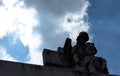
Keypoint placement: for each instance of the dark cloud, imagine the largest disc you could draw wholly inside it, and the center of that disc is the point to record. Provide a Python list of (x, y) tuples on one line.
[(56, 7)]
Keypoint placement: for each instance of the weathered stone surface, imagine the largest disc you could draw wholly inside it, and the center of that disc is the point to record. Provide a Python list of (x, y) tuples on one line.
[(19, 69)]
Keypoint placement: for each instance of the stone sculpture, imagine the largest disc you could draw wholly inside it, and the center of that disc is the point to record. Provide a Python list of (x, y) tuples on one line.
[(81, 57)]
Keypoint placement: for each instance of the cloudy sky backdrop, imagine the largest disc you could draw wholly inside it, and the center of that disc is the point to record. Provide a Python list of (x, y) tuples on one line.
[(29, 26)]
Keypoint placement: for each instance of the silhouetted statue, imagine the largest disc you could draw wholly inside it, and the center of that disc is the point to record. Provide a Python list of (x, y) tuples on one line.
[(84, 56), (81, 57), (79, 51), (90, 52)]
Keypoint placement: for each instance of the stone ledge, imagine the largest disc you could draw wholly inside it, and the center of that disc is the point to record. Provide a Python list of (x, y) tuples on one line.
[(8, 68)]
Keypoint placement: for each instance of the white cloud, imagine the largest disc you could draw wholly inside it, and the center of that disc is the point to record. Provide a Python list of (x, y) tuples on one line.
[(16, 18), (74, 23), (4, 55)]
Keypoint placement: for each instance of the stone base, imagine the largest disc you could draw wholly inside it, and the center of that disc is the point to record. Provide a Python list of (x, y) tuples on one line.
[(8, 68)]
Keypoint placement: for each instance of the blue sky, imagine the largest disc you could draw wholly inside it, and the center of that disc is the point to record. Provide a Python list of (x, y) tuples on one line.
[(104, 16), (29, 26)]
